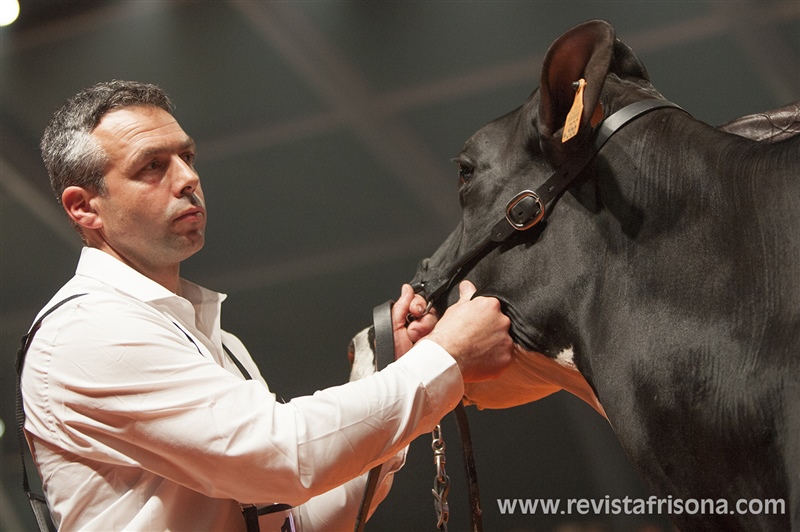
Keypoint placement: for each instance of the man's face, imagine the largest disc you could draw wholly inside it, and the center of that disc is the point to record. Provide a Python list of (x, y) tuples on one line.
[(153, 212)]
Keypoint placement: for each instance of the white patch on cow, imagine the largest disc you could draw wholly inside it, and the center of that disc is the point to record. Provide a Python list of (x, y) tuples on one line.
[(566, 358), (363, 356)]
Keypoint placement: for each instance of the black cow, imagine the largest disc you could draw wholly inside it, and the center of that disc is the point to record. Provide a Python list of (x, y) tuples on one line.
[(662, 287)]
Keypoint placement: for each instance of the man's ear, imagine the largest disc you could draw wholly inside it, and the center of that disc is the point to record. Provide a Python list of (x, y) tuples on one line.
[(77, 201)]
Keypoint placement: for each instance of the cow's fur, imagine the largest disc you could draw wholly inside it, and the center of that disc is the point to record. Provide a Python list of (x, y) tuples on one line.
[(361, 353), (667, 275)]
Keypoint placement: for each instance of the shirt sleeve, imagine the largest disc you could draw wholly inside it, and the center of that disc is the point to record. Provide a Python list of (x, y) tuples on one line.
[(142, 396), (338, 509)]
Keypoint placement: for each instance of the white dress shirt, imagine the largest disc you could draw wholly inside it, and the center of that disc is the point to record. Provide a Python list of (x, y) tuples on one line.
[(138, 419)]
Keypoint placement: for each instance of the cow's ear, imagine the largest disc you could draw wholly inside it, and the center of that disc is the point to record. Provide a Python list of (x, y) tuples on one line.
[(625, 63), (584, 52)]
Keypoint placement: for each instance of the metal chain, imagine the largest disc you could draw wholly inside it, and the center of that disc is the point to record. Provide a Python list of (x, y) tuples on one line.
[(441, 483)]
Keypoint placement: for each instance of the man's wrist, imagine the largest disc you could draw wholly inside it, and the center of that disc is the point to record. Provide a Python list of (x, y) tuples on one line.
[(437, 370)]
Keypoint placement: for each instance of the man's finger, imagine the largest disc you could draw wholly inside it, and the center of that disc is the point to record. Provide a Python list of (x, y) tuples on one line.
[(400, 309), (466, 290)]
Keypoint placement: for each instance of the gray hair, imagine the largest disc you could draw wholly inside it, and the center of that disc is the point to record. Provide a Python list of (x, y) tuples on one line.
[(70, 154)]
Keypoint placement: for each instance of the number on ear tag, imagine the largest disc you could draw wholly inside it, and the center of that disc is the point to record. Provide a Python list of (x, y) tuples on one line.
[(574, 117)]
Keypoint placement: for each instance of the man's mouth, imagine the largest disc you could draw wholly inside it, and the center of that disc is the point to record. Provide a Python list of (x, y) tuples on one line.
[(193, 213)]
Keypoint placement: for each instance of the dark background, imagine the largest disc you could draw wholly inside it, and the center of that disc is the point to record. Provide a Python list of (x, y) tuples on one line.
[(325, 130)]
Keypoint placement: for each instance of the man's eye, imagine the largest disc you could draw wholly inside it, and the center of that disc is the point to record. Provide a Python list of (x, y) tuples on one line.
[(189, 158), (465, 173)]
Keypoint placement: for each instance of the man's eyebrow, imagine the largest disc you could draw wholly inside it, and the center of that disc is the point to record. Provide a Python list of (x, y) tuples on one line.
[(188, 144), (146, 154)]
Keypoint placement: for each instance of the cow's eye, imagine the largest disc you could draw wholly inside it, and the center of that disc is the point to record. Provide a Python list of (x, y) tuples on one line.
[(465, 172)]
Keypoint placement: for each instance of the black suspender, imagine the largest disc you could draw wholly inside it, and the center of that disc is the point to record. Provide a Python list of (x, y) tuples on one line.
[(38, 503), (249, 511), (239, 365)]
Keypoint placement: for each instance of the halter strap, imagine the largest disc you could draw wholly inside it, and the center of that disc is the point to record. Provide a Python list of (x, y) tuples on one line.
[(528, 207)]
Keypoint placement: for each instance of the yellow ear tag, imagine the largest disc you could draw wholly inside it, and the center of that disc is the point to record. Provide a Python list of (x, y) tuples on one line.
[(574, 117)]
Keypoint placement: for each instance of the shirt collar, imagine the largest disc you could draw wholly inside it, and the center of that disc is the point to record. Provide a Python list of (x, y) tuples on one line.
[(101, 266)]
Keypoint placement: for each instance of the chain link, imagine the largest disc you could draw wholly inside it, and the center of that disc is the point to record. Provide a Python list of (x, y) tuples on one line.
[(441, 483)]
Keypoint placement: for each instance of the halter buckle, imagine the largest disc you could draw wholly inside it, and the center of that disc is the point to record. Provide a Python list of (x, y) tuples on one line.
[(526, 223)]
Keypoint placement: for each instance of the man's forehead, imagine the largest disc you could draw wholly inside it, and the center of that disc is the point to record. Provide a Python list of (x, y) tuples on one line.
[(141, 128), (130, 112)]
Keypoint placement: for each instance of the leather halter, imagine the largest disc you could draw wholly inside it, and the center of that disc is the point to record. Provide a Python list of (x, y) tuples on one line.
[(526, 209)]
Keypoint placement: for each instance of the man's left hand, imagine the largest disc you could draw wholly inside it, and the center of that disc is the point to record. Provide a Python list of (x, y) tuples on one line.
[(410, 306)]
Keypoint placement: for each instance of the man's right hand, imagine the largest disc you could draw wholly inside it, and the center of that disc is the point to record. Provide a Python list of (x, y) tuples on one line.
[(475, 333)]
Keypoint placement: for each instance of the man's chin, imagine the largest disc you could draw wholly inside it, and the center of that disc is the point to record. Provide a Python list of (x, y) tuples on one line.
[(194, 243)]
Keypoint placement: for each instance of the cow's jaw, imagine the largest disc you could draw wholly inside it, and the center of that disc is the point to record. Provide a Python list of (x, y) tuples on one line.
[(531, 377)]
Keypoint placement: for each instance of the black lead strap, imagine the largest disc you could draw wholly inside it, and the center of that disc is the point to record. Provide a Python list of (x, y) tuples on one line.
[(384, 355)]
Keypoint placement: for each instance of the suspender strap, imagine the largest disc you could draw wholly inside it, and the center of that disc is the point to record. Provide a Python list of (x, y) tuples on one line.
[(250, 517), (249, 511), (239, 365), (37, 502), (251, 514)]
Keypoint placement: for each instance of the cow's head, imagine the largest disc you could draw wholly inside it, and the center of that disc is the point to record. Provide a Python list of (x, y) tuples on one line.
[(544, 286)]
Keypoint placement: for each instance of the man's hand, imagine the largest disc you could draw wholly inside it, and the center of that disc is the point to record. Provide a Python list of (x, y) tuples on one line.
[(407, 334), (475, 333)]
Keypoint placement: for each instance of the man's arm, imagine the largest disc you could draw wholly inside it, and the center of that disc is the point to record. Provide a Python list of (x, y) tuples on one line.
[(144, 397)]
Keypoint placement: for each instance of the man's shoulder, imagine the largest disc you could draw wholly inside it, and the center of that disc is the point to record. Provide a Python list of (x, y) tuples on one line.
[(82, 291), (91, 303)]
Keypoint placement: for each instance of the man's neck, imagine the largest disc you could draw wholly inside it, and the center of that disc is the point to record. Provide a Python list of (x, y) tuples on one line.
[(167, 275)]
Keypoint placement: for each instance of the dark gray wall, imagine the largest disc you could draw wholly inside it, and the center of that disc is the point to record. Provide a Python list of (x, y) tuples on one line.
[(325, 131)]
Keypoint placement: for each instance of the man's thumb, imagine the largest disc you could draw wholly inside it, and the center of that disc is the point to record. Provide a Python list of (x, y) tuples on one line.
[(466, 290)]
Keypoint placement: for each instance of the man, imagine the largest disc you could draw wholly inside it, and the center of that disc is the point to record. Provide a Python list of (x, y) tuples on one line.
[(139, 412)]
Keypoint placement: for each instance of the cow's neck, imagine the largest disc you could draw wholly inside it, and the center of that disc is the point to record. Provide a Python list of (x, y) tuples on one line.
[(668, 272), (664, 169), (673, 168)]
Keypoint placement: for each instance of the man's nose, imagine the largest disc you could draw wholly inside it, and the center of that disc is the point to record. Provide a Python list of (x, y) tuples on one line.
[(186, 179)]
